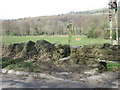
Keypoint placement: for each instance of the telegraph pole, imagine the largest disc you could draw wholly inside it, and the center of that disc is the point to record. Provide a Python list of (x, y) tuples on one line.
[(117, 34), (110, 21), (113, 10)]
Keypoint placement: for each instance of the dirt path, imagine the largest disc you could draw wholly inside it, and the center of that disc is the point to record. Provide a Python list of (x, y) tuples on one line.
[(12, 81), (104, 80)]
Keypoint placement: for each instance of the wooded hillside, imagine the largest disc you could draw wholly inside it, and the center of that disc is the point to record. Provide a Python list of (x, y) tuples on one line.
[(84, 23)]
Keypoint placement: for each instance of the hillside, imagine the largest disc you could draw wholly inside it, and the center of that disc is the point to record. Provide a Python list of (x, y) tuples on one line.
[(96, 20)]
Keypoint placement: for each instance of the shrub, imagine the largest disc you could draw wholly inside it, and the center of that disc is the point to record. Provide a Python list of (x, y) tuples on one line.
[(92, 34), (114, 36), (106, 35)]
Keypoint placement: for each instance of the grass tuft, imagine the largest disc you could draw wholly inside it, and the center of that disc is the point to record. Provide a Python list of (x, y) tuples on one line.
[(113, 66)]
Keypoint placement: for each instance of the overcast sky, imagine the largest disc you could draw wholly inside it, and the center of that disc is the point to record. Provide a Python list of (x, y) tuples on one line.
[(12, 9)]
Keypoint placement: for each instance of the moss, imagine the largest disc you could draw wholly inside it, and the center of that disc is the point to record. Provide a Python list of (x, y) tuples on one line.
[(20, 65), (6, 62), (61, 51)]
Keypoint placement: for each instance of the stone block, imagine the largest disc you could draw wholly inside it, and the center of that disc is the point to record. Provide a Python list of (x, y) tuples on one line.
[(89, 46), (19, 73), (11, 72), (91, 56), (4, 71)]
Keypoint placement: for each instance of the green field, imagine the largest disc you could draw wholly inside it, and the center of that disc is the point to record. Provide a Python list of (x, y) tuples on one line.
[(54, 39)]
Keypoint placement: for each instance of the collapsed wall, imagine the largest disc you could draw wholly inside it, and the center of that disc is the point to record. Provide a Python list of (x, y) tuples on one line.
[(90, 54), (43, 50), (36, 50)]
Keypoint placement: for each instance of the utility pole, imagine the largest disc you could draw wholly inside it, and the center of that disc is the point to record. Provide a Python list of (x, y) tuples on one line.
[(113, 10), (117, 34), (110, 21)]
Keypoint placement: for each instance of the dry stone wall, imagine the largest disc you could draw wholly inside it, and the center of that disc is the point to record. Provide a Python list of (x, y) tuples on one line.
[(90, 54)]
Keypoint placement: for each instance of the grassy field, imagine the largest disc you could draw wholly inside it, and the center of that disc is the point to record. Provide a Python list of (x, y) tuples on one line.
[(54, 39)]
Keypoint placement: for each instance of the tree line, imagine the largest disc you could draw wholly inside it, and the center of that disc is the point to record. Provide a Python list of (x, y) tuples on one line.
[(84, 24)]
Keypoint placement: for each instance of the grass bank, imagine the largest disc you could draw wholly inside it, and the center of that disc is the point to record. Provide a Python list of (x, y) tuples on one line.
[(20, 65), (33, 66), (113, 66)]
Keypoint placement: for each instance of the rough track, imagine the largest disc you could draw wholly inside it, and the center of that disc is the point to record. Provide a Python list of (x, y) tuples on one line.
[(105, 80)]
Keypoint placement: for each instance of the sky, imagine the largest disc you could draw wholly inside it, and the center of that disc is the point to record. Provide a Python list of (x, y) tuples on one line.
[(13, 9)]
